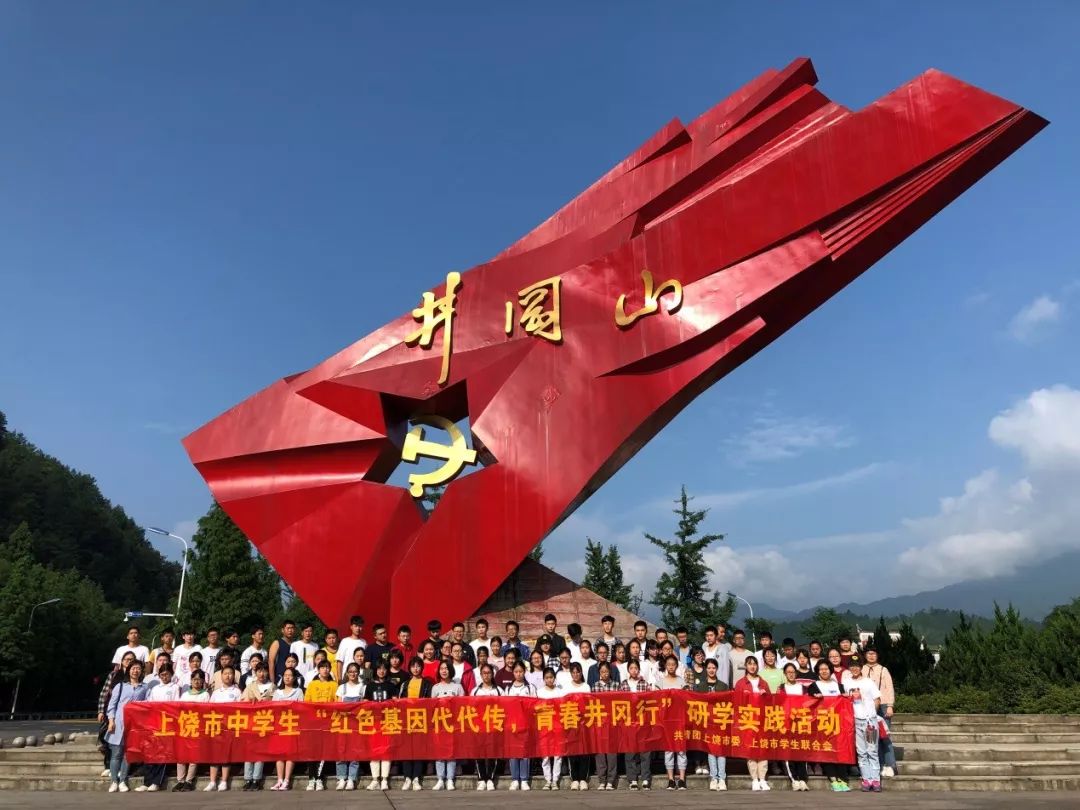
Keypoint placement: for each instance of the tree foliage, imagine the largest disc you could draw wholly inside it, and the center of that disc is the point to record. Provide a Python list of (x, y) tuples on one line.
[(62, 657), (827, 626), (75, 528), (604, 576), (1010, 667), (61, 539), (682, 591), (228, 584)]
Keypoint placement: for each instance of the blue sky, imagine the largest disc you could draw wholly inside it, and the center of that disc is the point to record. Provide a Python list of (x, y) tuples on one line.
[(202, 198)]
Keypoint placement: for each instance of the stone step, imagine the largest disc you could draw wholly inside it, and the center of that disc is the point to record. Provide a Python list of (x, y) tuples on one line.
[(54, 754), (901, 738), (1039, 719), (1062, 781), (988, 769), (984, 728), (973, 752), (51, 768)]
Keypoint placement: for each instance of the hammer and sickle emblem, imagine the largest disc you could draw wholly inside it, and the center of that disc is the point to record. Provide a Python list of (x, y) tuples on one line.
[(457, 454)]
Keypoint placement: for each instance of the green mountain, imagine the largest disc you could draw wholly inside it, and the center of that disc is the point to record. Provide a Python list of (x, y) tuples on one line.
[(60, 537)]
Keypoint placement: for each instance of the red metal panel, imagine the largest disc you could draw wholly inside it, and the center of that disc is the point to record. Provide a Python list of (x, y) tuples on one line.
[(762, 208)]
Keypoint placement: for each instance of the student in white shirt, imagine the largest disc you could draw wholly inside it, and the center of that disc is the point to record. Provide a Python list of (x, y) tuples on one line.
[(347, 647), (787, 653), (164, 689), (133, 646), (210, 653), (196, 693), (258, 635), (481, 639), (796, 770), (564, 677), (552, 766), (182, 656), (288, 691), (865, 698), (485, 768), (305, 650), (674, 761), (579, 764), (827, 685)]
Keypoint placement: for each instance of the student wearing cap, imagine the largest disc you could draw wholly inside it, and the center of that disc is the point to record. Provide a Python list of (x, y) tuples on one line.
[(558, 643)]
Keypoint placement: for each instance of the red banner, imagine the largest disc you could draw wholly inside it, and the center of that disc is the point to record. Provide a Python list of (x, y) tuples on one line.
[(728, 724)]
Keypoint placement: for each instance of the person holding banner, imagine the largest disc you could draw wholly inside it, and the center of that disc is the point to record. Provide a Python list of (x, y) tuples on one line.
[(639, 763), (185, 772), (607, 762), (322, 690), (552, 766), (753, 683), (796, 770), (579, 763), (710, 684), (485, 768), (415, 686), (378, 690), (129, 689), (520, 766), (828, 685), (673, 678), (352, 691), (288, 691), (866, 699), (165, 688), (446, 769)]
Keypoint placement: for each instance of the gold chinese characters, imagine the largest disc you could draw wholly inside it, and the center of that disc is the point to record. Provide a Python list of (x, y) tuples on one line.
[(652, 300), (535, 319), (435, 312)]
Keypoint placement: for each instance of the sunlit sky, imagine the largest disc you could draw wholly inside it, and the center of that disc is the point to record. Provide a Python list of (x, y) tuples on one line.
[(202, 197)]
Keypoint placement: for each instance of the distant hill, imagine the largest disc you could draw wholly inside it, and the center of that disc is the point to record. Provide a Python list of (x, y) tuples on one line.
[(1034, 591), (76, 528)]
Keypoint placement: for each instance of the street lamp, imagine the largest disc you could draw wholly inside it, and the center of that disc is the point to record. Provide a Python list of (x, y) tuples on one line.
[(183, 565), (29, 624), (753, 635)]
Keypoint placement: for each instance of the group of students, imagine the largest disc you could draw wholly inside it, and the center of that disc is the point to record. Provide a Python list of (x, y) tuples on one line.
[(295, 668)]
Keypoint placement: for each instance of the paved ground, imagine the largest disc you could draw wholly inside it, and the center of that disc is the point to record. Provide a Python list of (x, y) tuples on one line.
[(428, 800)]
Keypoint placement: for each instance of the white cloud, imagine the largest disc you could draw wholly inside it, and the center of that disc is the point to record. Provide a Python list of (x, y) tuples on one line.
[(1045, 428), (773, 438), (995, 524), (1031, 322), (998, 525), (734, 498)]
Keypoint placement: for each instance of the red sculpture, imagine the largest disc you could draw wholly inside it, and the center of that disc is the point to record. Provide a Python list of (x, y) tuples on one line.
[(575, 345)]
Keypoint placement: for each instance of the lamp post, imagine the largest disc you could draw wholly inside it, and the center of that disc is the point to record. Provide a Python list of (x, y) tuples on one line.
[(183, 565), (29, 624), (753, 635)]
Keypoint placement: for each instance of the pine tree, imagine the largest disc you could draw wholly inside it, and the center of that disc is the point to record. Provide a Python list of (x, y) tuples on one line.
[(595, 574), (604, 576), (682, 592), (538, 552), (228, 584), (883, 643)]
